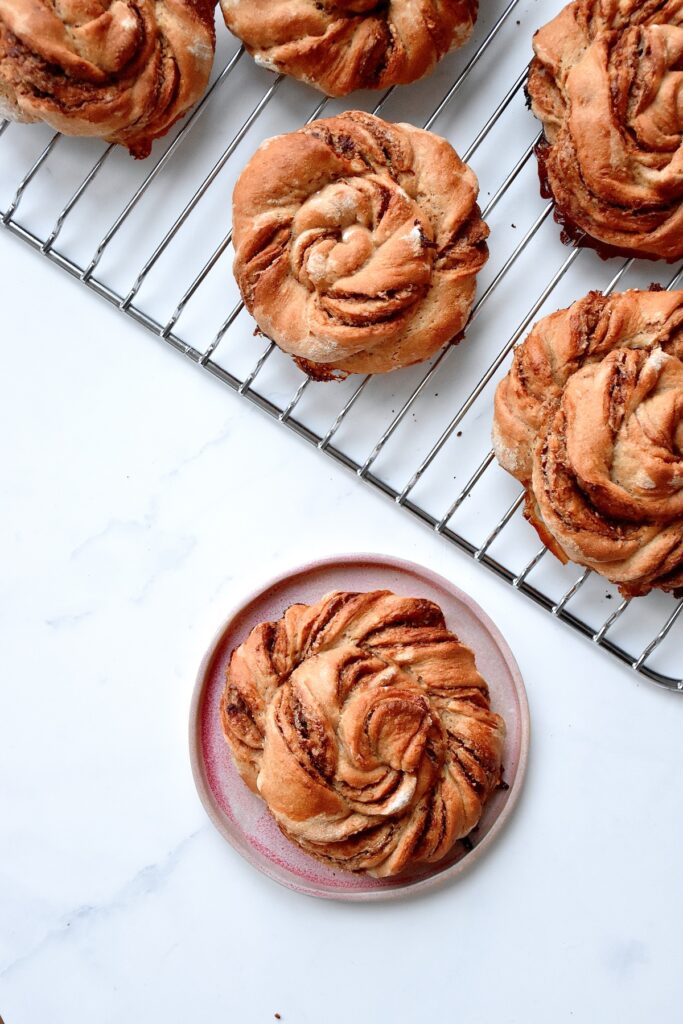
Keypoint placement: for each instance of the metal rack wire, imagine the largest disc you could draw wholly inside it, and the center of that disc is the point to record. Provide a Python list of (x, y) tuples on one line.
[(415, 439)]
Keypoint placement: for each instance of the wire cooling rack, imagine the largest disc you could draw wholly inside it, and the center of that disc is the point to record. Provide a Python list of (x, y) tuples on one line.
[(153, 238)]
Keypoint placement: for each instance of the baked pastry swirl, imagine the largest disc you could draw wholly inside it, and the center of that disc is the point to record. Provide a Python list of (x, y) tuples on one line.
[(606, 83), (342, 45), (121, 70), (357, 243), (365, 726), (590, 419)]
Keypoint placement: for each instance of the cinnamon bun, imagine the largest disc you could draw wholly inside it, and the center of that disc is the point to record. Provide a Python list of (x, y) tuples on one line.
[(364, 724), (357, 243), (590, 419)]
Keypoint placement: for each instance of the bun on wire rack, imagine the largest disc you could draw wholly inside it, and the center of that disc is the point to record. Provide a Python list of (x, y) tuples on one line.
[(357, 243), (120, 70), (590, 420), (606, 84), (339, 46)]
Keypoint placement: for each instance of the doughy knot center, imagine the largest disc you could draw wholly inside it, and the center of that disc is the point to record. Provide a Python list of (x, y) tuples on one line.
[(633, 405), (387, 724), (362, 245), (362, 725)]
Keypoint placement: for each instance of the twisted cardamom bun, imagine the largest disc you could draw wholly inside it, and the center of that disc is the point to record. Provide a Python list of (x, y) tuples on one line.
[(365, 726), (606, 83), (590, 419), (341, 45), (357, 243), (122, 70)]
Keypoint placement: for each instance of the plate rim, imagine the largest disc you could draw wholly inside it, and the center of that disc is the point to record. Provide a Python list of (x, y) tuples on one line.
[(204, 791)]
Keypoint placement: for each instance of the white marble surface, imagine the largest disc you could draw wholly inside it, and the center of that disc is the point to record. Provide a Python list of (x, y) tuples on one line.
[(139, 501)]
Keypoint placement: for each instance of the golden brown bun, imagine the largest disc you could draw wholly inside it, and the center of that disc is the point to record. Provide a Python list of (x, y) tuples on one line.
[(357, 243), (365, 726), (122, 71), (351, 44), (606, 84), (590, 419)]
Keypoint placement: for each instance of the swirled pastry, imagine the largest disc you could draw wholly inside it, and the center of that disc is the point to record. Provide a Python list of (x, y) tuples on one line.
[(590, 419), (357, 243), (342, 45), (365, 726), (606, 83), (122, 70)]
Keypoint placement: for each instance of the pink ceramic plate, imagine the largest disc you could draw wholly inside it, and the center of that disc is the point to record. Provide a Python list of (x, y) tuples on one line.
[(242, 817)]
